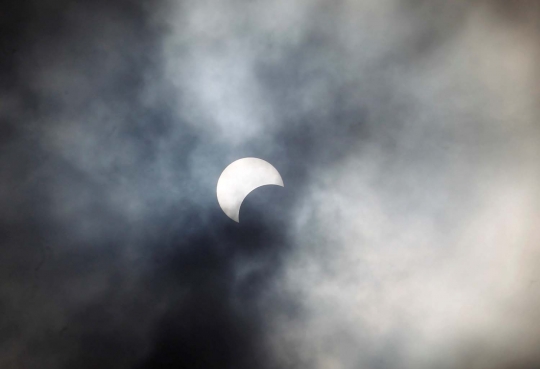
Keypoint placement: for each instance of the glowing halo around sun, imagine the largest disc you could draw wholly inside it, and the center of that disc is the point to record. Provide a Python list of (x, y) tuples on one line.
[(239, 179)]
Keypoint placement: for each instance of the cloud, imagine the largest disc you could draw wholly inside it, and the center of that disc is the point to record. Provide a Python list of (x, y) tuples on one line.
[(406, 134)]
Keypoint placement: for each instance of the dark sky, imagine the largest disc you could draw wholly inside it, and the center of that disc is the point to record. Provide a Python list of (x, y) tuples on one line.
[(407, 135)]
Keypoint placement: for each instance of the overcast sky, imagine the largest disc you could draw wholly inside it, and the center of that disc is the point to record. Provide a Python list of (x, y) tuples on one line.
[(406, 133)]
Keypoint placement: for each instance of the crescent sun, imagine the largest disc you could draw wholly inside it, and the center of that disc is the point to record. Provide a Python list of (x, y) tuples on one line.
[(239, 179)]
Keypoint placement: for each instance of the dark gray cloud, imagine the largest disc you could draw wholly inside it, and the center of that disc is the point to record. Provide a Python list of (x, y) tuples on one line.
[(407, 137)]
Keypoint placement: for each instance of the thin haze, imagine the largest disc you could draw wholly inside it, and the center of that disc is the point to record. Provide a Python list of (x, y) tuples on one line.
[(406, 133)]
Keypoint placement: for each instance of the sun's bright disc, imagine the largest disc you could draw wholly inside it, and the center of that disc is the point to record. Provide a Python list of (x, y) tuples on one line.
[(239, 179)]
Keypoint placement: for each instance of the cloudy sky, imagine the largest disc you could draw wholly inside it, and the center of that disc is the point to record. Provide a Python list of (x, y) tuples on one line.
[(407, 134)]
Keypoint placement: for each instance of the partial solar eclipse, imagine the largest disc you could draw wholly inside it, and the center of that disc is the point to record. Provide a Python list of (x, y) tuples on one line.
[(239, 179)]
